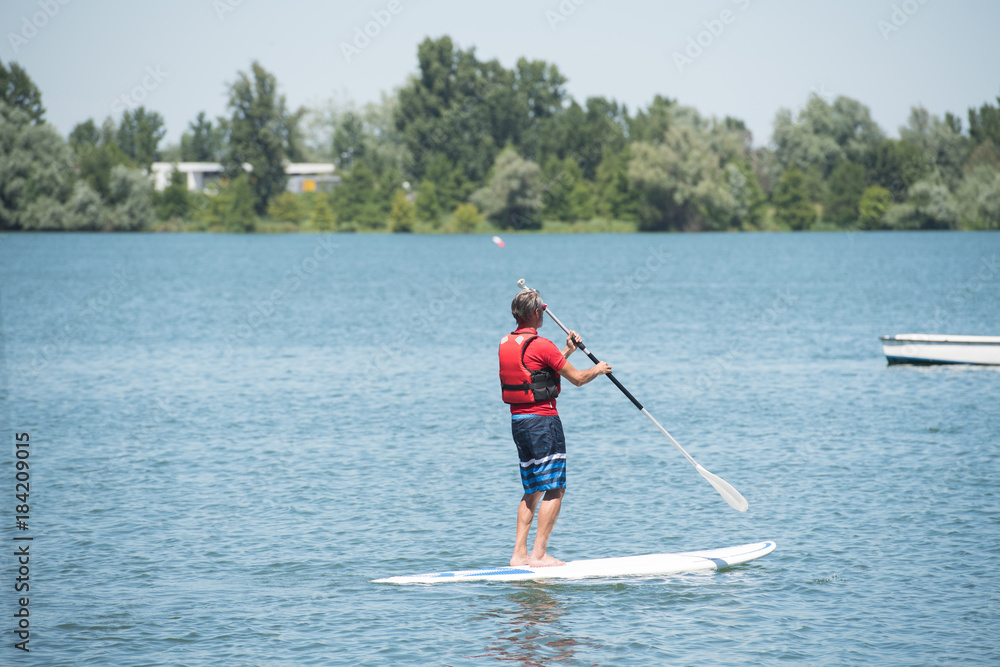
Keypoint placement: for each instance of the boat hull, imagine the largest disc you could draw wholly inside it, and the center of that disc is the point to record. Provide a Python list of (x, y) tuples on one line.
[(926, 349)]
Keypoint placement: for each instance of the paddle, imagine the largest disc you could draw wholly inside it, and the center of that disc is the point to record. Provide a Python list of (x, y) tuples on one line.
[(725, 489)]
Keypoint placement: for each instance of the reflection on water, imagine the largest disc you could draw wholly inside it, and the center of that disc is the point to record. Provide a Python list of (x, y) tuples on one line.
[(531, 631)]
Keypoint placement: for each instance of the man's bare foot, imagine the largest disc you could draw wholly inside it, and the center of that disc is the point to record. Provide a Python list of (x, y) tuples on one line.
[(545, 561), (518, 559)]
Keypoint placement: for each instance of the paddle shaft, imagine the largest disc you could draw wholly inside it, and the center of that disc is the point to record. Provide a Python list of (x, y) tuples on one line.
[(584, 349), (625, 391)]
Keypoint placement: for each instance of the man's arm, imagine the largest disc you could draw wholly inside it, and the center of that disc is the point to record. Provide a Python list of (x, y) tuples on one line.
[(579, 377)]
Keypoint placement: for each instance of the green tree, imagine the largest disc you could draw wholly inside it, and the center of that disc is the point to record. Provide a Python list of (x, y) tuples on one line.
[(403, 213), (287, 207), (385, 149), (605, 128), (541, 86), (85, 211), (322, 218), (261, 132), (984, 124), (791, 200), (650, 125), (798, 144), (581, 200), (617, 199), (583, 133), (44, 214), (203, 142), (130, 201), (449, 181), (875, 201), (428, 208), (449, 108), (386, 185), (985, 154), (97, 153), (930, 205), (36, 172), (538, 97), (681, 181), (566, 192), (231, 209), (355, 199), (816, 184), (750, 202), (139, 136), (467, 217), (175, 200), (467, 109), (824, 135), (513, 196), (349, 140), (343, 133), (979, 198), (844, 190), (19, 91), (940, 143), (85, 134), (558, 179), (895, 165)]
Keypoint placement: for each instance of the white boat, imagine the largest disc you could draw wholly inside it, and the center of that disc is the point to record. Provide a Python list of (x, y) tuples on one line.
[(941, 349)]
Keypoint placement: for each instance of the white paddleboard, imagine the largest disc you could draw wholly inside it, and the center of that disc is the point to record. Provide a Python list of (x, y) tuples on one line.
[(629, 566)]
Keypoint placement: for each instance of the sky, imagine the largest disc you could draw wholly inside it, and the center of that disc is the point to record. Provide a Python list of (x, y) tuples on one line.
[(741, 58)]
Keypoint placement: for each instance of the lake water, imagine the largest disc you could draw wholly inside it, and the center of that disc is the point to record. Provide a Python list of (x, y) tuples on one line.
[(230, 436)]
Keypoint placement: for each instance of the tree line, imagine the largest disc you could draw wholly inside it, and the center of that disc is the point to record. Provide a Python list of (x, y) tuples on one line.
[(466, 144)]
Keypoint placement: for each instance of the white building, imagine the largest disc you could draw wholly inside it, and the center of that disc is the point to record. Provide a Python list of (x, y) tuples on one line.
[(311, 176), (302, 176)]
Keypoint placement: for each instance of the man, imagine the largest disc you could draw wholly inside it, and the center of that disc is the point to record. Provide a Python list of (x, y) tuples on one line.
[(530, 371)]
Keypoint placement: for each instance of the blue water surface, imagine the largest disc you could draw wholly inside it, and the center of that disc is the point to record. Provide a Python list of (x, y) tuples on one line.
[(231, 436)]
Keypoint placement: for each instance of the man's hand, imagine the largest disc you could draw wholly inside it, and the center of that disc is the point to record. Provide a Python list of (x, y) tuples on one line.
[(571, 341), (602, 368)]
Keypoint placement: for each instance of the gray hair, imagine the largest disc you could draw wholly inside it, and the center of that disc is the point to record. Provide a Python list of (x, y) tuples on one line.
[(524, 304)]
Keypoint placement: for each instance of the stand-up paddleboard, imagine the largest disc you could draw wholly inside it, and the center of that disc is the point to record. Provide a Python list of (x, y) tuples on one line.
[(629, 566)]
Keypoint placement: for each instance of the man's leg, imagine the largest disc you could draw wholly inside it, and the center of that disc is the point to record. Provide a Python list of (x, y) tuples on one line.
[(547, 515), (525, 513)]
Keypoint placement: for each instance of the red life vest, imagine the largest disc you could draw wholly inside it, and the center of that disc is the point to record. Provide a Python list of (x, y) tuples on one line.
[(517, 383)]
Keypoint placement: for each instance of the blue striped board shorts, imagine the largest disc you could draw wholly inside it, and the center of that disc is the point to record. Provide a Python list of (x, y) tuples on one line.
[(541, 448)]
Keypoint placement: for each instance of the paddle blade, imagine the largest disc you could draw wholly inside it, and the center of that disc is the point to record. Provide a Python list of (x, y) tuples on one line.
[(725, 489)]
